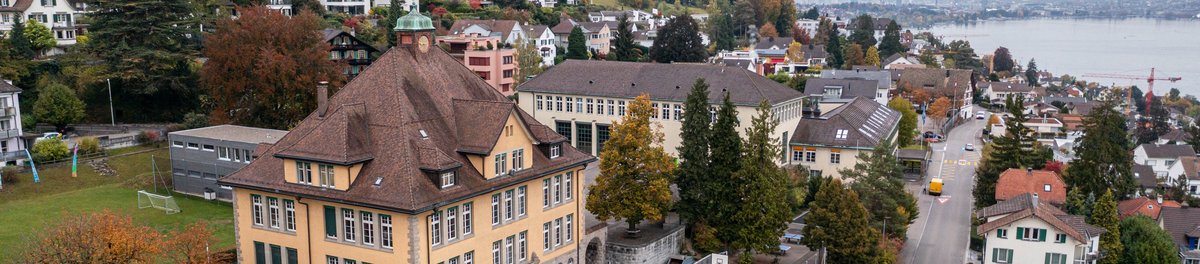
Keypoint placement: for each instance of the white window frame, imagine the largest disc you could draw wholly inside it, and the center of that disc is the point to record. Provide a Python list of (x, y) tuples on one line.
[(257, 208), (521, 201), (570, 104), (385, 231), (289, 215), (368, 227), (349, 225), (579, 104), (304, 173), (509, 249), (545, 192), (222, 153), (466, 219), (518, 157), (567, 236), (557, 189), (557, 232), (501, 164), (496, 252), (555, 150), (273, 211), (435, 228), (451, 223), (193, 145), (469, 257), (567, 187), (207, 147), (835, 157), (522, 245), (325, 172), (495, 209), (538, 102), (447, 179), (508, 205), (546, 236)]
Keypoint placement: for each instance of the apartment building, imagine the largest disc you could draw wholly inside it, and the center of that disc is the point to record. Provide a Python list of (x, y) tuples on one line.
[(416, 161), (832, 141), (11, 143), (598, 34), (200, 156), (488, 56), (582, 99)]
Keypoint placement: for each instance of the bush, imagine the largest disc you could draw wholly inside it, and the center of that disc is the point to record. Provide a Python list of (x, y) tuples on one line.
[(194, 120), (147, 136), (88, 145), (9, 174), (50, 150)]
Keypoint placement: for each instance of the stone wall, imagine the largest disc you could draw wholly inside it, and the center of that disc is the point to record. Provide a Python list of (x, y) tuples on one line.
[(657, 250)]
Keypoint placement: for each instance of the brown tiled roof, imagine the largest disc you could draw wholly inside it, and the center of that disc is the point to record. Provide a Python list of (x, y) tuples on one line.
[(1013, 205), (381, 115), (773, 43), (940, 80), (6, 87), (1141, 205), (1072, 225), (501, 27), (1191, 167), (1167, 151), (664, 82), (1014, 182), (866, 123), (18, 5), (1179, 222), (1177, 135), (1145, 175), (851, 87)]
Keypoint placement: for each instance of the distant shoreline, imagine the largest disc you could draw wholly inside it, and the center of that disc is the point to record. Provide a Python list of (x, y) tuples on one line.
[(977, 21)]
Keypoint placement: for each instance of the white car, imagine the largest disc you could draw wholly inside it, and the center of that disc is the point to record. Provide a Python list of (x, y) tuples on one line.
[(969, 147), (980, 115)]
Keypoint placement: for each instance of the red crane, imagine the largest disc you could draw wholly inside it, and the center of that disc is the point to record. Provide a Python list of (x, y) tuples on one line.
[(1129, 93)]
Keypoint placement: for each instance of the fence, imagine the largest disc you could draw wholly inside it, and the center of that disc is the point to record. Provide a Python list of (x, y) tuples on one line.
[(82, 157), (118, 142)]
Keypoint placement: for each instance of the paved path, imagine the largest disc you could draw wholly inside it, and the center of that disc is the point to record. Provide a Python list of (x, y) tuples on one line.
[(940, 233)]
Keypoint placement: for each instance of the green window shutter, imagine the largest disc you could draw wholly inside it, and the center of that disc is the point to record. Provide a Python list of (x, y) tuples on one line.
[(1042, 235), (276, 255), (293, 258), (996, 252), (1020, 232), (260, 254), (330, 221)]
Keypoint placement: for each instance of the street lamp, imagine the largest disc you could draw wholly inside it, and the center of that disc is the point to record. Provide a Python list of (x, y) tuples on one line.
[(111, 114)]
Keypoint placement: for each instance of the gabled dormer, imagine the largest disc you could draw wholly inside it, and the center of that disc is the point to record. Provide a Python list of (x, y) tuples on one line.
[(497, 139), (331, 154)]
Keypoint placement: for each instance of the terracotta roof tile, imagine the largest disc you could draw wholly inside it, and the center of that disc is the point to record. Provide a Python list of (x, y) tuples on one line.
[(1141, 205), (663, 82), (1015, 182)]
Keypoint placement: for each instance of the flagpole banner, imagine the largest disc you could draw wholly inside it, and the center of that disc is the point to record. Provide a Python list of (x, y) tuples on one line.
[(74, 160), (32, 166)]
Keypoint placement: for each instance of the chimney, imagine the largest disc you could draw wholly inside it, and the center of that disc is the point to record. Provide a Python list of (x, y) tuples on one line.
[(322, 98), (1160, 200), (1034, 200)]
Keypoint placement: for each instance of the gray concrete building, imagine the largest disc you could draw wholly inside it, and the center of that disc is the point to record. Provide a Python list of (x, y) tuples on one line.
[(200, 156)]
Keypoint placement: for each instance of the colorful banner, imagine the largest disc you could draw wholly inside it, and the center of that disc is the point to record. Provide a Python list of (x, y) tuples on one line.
[(31, 166), (74, 160)]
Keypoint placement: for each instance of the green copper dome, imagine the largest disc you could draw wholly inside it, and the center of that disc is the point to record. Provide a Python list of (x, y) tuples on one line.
[(413, 21)]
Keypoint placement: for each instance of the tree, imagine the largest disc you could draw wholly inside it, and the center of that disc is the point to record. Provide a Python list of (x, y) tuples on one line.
[(39, 36), (576, 45), (529, 60), (725, 169), (1002, 60), (310, 5), (1155, 123), (795, 52), (623, 48), (191, 245), (838, 223), (151, 51), (89, 238), (786, 19), (872, 57), (890, 44), (58, 105), (938, 110), (853, 55), (907, 129), (761, 187), (1104, 160), (879, 181), (694, 177), (1077, 202), (20, 44), (1014, 150), (833, 48), (768, 31), (864, 31), (801, 35), (812, 13), (720, 26), (1031, 73), (963, 56), (1193, 129), (1145, 242), (678, 41), (1173, 94), (825, 30), (1104, 215), (263, 67), (1139, 99), (635, 171), (394, 11)]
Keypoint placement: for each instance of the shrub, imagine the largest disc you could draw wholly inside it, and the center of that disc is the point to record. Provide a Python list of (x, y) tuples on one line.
[(50, 150), (9, 174), (88, 145), (147, 136), (194, 120)]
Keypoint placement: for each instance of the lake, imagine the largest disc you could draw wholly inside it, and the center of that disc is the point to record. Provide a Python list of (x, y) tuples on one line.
[(1078, 46)]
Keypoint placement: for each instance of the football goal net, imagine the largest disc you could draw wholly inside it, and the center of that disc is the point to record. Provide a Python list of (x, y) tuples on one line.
[(165, 203)]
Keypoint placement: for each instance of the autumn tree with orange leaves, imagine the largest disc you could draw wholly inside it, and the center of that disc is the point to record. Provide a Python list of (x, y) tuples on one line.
[(108, 237), (938, 110), (263, 68)]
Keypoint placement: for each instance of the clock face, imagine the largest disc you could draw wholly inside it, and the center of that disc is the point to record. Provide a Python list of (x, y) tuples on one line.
[(423, 43)]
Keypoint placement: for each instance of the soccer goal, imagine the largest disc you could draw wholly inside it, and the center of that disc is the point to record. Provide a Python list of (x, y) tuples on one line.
[(165, 203)]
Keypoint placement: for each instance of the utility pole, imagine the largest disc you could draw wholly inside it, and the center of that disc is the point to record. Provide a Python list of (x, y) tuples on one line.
[(111, 114)]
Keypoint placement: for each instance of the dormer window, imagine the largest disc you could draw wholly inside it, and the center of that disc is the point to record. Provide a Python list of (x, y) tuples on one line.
[(501, 164), (518, 157), (447, 179), (555, 150), (325, 171), (304, 173)]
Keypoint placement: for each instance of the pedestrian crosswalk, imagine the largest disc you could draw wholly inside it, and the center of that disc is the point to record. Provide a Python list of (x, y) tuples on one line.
[(951, 168)]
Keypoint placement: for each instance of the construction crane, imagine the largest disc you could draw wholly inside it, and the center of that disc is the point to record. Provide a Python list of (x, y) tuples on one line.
[(1129, 92)]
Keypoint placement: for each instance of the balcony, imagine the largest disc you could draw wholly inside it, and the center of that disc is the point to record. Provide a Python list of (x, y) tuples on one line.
[(9, 133), (8, 111), (63, 24)]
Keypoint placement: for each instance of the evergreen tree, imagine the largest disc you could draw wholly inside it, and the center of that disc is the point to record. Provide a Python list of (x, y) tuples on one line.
[(838, 223), (623, 48), (1104, 215), (761, 188), (825, 29), (395, 11), (1002, 60), (833, 49), (1145, 242), (786, 19), (1014, 150), (20, 45), (723, 167), (1104, 158), (635, 171), (812, 13), (864, 31), (907, 129), (576, 45), (1031, 73), (963, 56), (678, 41), (1155, 123), (720, 27), (890, 44), (1077, 203), (694, 176), (879, 180), (1194, 130)]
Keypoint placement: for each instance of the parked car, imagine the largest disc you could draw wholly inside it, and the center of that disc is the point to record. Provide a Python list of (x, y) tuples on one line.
[(980, 115), (969, 147), (931, 137), (49, 135)]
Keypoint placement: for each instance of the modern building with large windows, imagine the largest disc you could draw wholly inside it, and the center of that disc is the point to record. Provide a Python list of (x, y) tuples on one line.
[(582, 99), (200, 156), (417, 160)]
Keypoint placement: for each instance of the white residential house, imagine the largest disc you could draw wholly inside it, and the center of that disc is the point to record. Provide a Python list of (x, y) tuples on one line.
[(832, 141), (1045, 129), (633, 15), (545, 42), (1189, 168), (10, 122), (999, 92), (1026, 230), (899, 61), (1161, 157), (58, 15), (350, 7), (507, 30), (581, 100), (809, 25), (284, 6)]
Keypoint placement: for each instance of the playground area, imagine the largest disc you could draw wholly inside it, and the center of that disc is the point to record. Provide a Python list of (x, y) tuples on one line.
[(30, 206)]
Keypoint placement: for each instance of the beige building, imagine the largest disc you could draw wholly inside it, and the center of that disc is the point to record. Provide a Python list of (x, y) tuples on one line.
[(1026, 230), (598, 34), (417, 160), (487, 56), (582, 99), (832, 141)]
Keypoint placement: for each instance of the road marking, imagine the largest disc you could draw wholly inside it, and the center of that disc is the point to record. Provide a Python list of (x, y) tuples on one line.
[(943, 199)]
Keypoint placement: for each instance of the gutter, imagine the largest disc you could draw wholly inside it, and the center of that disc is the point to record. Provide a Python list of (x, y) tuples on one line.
[(307, 227)]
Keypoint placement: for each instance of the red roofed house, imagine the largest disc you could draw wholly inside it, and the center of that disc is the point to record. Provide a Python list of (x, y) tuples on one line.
[(1140, 206), (1046, 184)]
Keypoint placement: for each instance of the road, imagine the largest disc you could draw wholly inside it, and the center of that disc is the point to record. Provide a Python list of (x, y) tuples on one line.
[(940, 233)]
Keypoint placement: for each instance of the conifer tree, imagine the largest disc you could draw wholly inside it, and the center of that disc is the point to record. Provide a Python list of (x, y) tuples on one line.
[(1014, 150), (833, 48), (864, 31), (838, 223), (635, 171), (679, 41), (872, 57), (694, 172), (623, 48), (1104, 215), (786, 19), (21, 46), (761, 188), (890, 44), (878, 178), (1104, 158), (576, 45), (724, 163)]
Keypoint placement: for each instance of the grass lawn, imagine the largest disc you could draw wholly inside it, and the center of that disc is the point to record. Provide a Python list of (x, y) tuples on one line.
[(28, 206)]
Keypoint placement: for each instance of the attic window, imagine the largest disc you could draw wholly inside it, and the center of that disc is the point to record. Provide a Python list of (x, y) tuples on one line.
[(447, 179), (378, 181), (1046, 188), (555, 150), (423, 134), (842, 133)]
